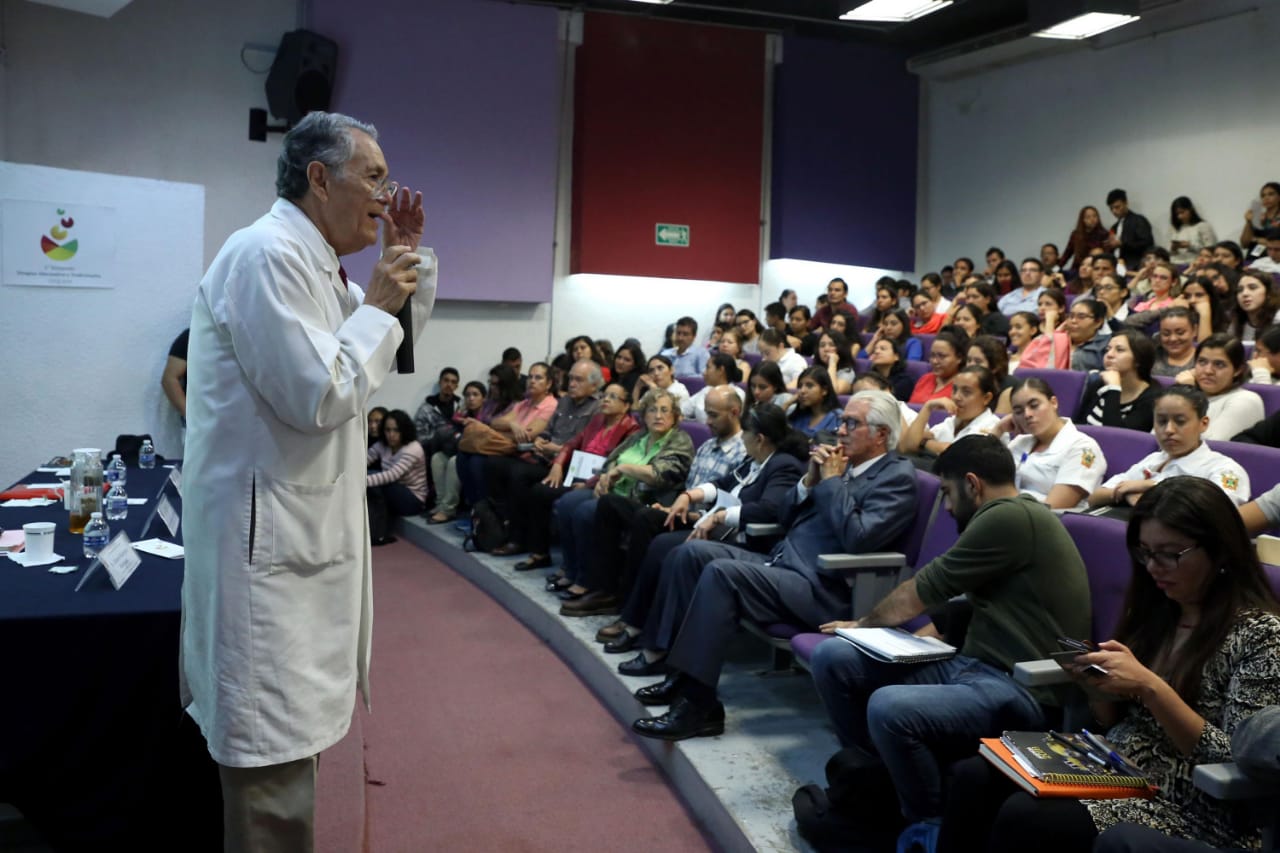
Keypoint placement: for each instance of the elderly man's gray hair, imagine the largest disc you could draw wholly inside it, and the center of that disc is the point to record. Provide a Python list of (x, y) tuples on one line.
[(883, 411), (323, 137), (595, 376)]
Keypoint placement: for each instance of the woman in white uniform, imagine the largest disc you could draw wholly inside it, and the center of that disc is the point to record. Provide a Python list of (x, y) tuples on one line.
[(1182, 419), (973, 395), (1220, 369), (1056, 463)]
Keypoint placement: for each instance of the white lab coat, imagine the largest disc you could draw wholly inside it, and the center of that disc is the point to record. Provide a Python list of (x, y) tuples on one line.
[(277, 596)]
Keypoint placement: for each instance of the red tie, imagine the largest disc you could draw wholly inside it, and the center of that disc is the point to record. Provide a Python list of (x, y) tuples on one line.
[(342, 274)]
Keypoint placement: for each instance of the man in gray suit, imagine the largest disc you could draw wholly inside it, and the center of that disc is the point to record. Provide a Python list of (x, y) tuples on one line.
[(857, 495)]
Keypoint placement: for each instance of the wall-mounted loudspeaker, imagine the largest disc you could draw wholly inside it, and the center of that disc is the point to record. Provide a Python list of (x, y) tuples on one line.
[(302, 75)]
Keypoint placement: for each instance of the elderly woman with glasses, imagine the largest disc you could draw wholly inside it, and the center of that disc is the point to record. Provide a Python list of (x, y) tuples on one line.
[(1196, 653)]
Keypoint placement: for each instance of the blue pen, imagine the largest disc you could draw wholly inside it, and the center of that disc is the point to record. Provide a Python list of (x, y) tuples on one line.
[(1116, 759)]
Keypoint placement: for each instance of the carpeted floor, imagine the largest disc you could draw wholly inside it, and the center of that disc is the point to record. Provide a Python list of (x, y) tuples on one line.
[(482, 739)]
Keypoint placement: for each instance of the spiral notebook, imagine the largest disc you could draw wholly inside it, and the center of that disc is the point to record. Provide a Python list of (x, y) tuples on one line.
[(1047, 766), (895, 645)]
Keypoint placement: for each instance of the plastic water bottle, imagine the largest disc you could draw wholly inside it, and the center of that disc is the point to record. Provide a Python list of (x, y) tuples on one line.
[(147, 455), (117, 502), (96, 535), (116, 471)]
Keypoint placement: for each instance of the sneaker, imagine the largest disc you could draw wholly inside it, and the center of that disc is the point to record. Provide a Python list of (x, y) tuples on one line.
[(919, 837)]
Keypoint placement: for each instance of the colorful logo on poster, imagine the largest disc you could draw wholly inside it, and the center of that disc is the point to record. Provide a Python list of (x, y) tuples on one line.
[(56, 251)]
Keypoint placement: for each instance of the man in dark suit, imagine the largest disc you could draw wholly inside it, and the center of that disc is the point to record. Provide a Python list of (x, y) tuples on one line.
[(858, 495), (1132, 232)]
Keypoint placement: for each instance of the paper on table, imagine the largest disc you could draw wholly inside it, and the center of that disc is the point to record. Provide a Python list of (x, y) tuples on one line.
[(24, 559), (63, 570), (137, 501), (13, 540), (160, 548), (28, 502), (42, 485), (57, 472)]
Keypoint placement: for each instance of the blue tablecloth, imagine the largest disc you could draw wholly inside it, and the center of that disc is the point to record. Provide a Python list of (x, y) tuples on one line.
[(95, 749)]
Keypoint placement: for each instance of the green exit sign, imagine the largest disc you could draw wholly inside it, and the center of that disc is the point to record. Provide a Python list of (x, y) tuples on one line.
[(666, 234)]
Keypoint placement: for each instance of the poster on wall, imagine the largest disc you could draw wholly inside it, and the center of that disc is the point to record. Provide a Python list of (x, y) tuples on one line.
[(57, 244)]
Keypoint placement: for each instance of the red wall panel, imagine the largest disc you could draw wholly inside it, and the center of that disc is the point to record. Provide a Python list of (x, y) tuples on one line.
[(668, 127)]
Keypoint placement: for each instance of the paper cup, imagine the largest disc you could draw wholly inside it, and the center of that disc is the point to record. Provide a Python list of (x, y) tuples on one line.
[(39, 539)]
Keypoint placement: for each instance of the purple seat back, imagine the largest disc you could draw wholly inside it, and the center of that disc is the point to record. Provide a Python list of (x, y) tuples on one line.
[(752, 358), (916, 369), (1273, 577), (1101, 543), (937, 416), (698, 432), (1166, 381), (1067, 385), (926, 344), (693, 383), (1270, 395), (1122, 448), (1260, 462)]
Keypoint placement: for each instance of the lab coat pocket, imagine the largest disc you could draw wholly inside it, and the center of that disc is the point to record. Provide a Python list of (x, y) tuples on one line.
[(308, 526)]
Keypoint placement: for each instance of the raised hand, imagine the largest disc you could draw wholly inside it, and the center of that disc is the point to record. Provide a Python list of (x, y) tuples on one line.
[(404, 220)]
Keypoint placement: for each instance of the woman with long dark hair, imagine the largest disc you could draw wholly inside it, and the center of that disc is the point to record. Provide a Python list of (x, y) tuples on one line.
[(399, 483), (1197, 651), (1190, 232), (815, 407), (1089, 234)]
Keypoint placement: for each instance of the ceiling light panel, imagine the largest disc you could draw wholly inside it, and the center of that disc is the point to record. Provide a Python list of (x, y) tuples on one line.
[(894, 11), (1086, 26)]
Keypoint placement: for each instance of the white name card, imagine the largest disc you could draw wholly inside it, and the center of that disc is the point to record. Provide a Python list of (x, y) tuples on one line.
[(175, 477), (168, 514), (120, 559)]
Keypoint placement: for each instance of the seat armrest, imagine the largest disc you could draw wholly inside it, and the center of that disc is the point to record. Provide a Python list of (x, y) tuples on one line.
[(1227, 782), (1040, 673), (765, 529), (874, 561)]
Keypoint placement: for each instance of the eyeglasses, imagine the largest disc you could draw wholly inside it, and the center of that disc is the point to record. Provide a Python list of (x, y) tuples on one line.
[(850, 423), (615, 397), (659, 410), (385, 188), (1164, 559), (1106, 287)]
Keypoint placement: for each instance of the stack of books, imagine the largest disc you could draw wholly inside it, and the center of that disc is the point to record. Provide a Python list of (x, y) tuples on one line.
[(1053, 764)]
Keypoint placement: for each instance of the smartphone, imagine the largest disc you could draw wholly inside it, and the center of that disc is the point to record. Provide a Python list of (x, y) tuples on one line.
[(1074, 648), (1078, 646)]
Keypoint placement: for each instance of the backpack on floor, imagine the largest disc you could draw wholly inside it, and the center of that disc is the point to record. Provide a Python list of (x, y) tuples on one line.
[(488, 531)]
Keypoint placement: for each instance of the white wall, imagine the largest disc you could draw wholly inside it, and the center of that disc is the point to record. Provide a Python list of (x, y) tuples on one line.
[(1012, 154)]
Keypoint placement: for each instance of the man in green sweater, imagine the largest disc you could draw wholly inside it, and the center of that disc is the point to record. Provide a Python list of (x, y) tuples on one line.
[(1021, 572)]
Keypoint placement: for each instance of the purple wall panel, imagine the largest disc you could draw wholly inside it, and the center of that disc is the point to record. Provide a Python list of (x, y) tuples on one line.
[(465, 94), (844, 155)]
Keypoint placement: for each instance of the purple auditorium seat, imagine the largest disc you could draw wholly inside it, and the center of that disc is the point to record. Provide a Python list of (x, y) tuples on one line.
[(693, 383), (1270, 395), (1067, 385), (752, 358), (1273, 577), (1122, 448), (844, 400), (861, 365), (1102, 546), (698, 432), (916, 369), (926, 344), (1260, 462), (1166, 381)]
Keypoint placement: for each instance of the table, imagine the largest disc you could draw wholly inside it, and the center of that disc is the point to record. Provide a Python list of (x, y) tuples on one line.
[(95, 749)]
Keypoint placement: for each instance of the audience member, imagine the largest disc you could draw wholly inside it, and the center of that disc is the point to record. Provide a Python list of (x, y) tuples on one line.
[(1176, 351), (1264, 366), (686, 358), (969, 410), (931, 283), (1089, 234), (1198, 295), (896, 327), (1024, 328), (1005, 278), (1049, 259), (777, 456), (444, 462), (885, 360), (1263, 216), (1181, 420), (1088, 332), (1263, 513), (837, 295), (1056, 463), (836, 354), (1195, 653), (731, 345), (1016, 564), (766, 386), (512, 358), (1270, 261), (174, 379), (1229, 254), (815, 407), (1131, 235), (843, 323), (1084, 277), (721, 372), (947, 274), (983, 296), (963, 271), (801, 339), (987, 351), (886, 301), (994, 256), (726, 314), (376, 414), (774, 348), (1163, 278), (396, 484), (531, 504), (648, 464), (857, 496), (1024, 298), (659, 376), (775, 317), (628, 365), (946, 357), (520, 421), (788, 298), (748, 330), (1220, 372), (968, 319), (906, 290), (1123, 394), (1113, 292), (1256, 304), (1190, 232), (434, 419)]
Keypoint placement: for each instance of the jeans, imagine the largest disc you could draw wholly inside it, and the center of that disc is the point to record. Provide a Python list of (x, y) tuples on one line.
[(917, 718), (575, 515)]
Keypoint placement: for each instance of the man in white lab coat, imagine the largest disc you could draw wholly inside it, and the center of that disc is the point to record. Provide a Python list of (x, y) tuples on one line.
[(284, 354)]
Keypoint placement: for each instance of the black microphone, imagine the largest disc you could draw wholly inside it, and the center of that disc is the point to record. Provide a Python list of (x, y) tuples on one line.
[(404, 354)]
